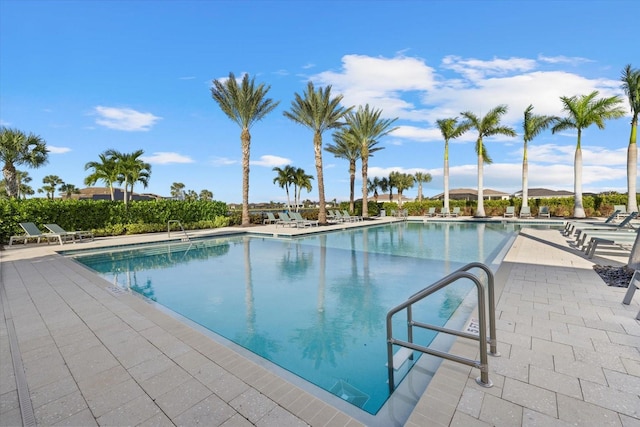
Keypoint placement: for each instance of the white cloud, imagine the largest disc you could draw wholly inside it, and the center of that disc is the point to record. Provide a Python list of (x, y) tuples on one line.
[(126, 119), (186, 78), (561, 59), (223, 161), (165, 158), (477, 69), (58, 150), (271, 161)]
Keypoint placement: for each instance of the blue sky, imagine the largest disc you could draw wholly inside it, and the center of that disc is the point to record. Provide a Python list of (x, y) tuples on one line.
[(92, 75)]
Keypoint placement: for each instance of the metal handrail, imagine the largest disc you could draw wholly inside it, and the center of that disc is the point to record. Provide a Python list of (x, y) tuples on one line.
[(482, 364), (181, 228)]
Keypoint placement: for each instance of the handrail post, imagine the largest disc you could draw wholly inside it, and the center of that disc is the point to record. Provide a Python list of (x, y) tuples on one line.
[(493, 340)]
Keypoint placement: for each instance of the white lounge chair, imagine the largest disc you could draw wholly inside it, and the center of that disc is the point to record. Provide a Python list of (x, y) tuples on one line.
[(544, 212), (455, 212), (56, 229), (525, 212), (509, 212), (33, 232), (270, 219), (431, 212)]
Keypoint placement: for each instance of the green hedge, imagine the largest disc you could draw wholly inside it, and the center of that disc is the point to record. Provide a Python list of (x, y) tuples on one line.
[(108, 218)]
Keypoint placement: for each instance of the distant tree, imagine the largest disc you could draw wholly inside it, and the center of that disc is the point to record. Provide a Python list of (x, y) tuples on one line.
[(66, 190), (450, 129), (300, 181), (206, 195), (384, 185), (190, 195), (348, 148), (532, 126), (130, 169), (421, 177), (372, 187), (24, 190), (51, 183), (489, 125), (177, 190), (318, 111), (367, 128), (582, 112), (391, 184), (18, 149), (631, 86), (284, 179), (104, 170), (244, 104), (402, 181)]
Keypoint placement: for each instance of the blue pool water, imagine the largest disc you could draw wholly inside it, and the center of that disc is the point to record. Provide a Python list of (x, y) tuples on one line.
[(314, 305)]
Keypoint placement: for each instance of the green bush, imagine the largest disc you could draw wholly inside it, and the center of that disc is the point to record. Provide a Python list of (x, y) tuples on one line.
[(108, 218)]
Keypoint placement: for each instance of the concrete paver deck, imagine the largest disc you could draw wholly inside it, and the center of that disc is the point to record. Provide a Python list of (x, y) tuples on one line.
[(570, 352)]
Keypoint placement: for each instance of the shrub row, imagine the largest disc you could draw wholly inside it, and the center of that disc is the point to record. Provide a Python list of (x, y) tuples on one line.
[(109, 218)]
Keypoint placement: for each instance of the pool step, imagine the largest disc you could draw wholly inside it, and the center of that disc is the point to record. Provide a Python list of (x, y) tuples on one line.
[(401, 357)]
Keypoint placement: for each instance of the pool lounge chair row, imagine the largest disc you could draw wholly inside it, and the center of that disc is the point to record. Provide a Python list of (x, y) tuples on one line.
[(443, 212), (335, 216), (525, 212), (32, 232)]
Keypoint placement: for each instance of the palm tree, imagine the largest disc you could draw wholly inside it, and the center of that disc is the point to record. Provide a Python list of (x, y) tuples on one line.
[(532, 126), (130, 169), (17, 148), (103, 170), (421, 177), (190, 195), (402, 181), (24, 190), (346, 147), (284, 179), (51, 182), (583, 111), (177, 190), (244, 104), (206, 195), (631, 85), (450, 129), (488, 125), (384, 185), (318, 111), (66, 190), (300, 181), (372, 187), (367, 128)]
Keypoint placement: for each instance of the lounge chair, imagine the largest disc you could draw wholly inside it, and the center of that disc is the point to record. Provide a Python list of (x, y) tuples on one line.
[(612, 238), (624, 224), (509, 212), (33, 232), (544, 212), (270, 219), (570, 225), (349, 217), (285, 219), (444, 212), (431, 212), (303, 221), (56, 229), (633, 285), (622, 211), (455, 212), (525, 212)]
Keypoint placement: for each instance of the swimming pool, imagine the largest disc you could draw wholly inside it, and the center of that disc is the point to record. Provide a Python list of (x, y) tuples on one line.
[(314, 305)]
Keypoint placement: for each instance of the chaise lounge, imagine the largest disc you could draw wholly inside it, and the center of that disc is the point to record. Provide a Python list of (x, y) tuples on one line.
[(33, 232)]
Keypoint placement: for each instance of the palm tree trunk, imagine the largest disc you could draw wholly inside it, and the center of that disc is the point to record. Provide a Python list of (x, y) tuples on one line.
[(446, 176), (632, 170), (126, 193), (317, 147), (245, 140), (352, 184), (525, 178), (10, 177), (365, 190), (480, 210), (578, 209)]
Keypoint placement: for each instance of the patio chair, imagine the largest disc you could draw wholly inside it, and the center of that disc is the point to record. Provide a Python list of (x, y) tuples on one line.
[(622, 211), (525, 212), (270, 219), (431, 212), (55, 228), (444, 212), (455, 212), (350, 217), (625, 224), (285, 219), (303, 221), (570, 225), (544, 212), (509, 212), (612, 238), (633, 285), (33, 232)]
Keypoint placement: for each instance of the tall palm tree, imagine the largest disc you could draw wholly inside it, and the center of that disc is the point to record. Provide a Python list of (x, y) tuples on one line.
[(402, 181), (103, 170), (384, 185), (51, 182), (177, 190), (284, 179), (486, 126), (367, 128), (631, 85), (318, 111), (372, 187), (16, 149), (450, 129), (532, 126), (346, 147), (421, 177), (244, 104), (582, 112), (300, 181)]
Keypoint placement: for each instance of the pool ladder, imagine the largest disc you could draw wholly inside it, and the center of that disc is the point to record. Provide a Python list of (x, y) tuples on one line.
[(406, 352), (171, 221)]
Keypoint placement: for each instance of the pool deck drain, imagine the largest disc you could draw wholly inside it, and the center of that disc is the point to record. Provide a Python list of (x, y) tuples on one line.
[(570, 352)]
